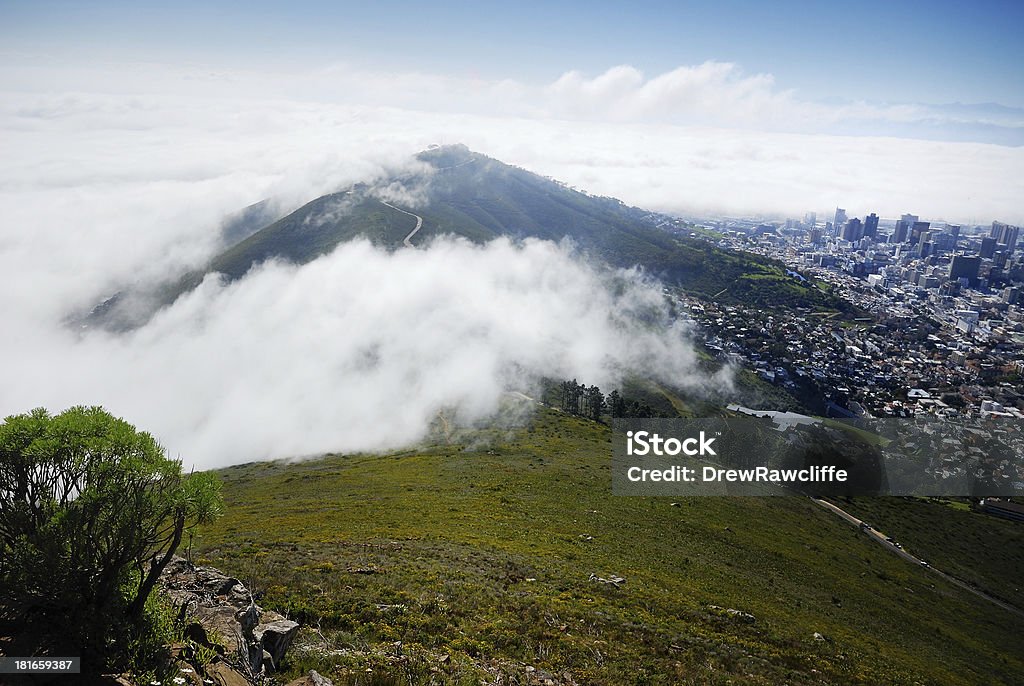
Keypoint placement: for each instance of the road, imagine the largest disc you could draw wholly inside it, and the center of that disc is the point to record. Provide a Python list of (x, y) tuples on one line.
[(880, 538), (419, 223)]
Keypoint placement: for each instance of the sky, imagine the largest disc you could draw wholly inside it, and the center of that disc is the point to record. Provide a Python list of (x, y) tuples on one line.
[(933, 51), (128, 131)]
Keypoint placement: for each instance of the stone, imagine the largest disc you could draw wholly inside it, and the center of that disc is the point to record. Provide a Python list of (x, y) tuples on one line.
[(276, 637), (312, 679), (223, 621), (319, 680), (223, 674), (224, 607)]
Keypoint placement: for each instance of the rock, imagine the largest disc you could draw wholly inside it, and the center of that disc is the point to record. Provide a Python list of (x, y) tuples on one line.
[(732, 612), (224, 606), (222, 674), (249, 618), (313, 679), (276, 637), (223, 621), (819, 636), (319, 680)]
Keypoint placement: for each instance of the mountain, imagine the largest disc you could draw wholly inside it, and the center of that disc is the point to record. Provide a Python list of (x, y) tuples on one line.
[(464, 193)]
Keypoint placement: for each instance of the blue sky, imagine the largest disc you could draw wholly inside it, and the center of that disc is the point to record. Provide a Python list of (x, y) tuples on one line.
[(933, 52)]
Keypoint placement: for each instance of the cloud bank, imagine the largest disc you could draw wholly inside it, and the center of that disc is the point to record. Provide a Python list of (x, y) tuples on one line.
[(357, 351), (698, 139)]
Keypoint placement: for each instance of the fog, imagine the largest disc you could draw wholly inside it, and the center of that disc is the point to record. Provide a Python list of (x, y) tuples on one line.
[(359, 350)]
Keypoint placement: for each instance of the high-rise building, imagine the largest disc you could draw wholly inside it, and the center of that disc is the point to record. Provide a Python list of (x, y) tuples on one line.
[(965, 266), (910, 219), (916, 229), (899, 234), (871, 225), (853, 231), (1005, 234), (839, 221), (1009, 237), (988, 247)]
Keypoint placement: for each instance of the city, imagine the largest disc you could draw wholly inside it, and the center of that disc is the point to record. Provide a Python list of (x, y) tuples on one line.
[(941, 330)]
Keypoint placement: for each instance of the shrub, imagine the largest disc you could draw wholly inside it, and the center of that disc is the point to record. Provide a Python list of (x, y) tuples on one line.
[(91, 511)]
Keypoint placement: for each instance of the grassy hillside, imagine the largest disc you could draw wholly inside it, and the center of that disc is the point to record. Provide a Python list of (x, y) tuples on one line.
[(458, 563), (985, 551)]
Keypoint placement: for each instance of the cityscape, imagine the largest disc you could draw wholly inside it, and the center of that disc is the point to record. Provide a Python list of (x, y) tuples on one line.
[(942, 327)]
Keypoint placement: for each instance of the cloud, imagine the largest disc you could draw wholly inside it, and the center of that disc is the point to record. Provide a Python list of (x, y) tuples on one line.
[(359, 350)]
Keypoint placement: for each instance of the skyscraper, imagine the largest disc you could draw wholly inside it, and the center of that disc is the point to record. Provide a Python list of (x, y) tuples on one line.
[(839, 221), (988, 247), (965, 266), (871, 225), (853, 231), (916, 229), (899, 234)]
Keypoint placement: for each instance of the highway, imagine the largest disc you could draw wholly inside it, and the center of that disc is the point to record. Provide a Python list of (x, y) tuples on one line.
[(880, 538)]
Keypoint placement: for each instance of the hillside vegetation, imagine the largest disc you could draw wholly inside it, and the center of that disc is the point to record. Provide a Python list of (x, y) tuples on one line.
[(474, 561)]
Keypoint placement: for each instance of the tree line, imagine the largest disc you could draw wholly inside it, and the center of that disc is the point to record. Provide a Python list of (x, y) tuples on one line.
[(591, 403)]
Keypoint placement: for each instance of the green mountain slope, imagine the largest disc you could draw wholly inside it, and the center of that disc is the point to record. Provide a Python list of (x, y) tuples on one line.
[(470, 195), (472, 561)]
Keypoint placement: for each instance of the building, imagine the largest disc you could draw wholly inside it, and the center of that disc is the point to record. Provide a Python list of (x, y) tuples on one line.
[(871, 225), (916, 229), (1005, 234), (853, 231), (965, 267), (899, 234), (988, 247), (840, 220)]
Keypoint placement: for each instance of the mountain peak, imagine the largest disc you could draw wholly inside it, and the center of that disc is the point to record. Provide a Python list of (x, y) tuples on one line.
[(447, 155)]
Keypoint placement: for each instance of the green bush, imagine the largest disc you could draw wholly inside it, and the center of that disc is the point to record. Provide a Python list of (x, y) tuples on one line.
[(91, 511)]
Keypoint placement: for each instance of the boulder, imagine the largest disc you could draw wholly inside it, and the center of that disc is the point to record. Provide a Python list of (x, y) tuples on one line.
[(223, 606), (223, 674), (223, 620), (313, 679), (276, 637)]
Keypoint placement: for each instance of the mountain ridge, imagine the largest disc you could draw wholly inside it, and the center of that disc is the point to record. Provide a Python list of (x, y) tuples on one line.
[(464, 193)]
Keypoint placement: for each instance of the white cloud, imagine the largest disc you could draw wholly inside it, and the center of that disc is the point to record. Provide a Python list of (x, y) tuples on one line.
[(356, 351)]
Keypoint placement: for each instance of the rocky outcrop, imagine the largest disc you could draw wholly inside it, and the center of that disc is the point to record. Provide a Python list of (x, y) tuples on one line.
[(227, 616)]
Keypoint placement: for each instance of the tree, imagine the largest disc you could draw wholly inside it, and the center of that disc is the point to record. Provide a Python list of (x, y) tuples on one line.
[(616, 404), (596, 403), (91, 511)]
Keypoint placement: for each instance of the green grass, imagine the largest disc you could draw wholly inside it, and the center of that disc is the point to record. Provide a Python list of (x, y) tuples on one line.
[(453, 564), (985, 551)]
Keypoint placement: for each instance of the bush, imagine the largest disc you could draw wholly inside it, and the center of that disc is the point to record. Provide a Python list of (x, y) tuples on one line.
[(91, 511)]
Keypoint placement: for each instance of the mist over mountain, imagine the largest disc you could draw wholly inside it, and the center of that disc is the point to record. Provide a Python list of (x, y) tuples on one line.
[(453, 191), (326, 330)]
